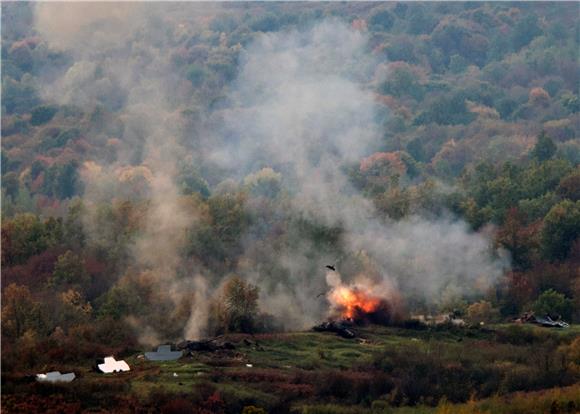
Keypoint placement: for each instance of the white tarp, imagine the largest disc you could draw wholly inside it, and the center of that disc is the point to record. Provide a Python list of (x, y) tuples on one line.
[(55, 376), (111, 365)]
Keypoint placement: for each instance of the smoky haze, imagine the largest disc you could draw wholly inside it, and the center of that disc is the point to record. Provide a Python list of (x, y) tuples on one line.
[(302, 105), (121, 63)]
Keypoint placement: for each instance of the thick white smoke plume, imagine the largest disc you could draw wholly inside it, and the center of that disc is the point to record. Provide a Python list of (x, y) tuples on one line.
[(302, 104), (122, 62)]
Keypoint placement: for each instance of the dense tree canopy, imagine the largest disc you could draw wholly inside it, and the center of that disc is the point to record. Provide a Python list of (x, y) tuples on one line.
[(125, 211)]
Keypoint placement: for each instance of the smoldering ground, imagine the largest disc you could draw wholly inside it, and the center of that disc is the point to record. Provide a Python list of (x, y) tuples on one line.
[(302, 104)]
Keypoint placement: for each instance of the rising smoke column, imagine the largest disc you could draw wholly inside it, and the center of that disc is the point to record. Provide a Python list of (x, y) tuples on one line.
[(122, 63), (302, 105)]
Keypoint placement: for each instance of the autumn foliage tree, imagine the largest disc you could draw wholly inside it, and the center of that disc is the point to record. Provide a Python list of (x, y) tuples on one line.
[(236, 308), (482, 311), (20, 312), (69, 270), (561, 229), (544, 149)]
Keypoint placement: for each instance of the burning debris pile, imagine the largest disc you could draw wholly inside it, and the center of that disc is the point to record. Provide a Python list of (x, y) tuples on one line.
[(362, 301), (359, 303)]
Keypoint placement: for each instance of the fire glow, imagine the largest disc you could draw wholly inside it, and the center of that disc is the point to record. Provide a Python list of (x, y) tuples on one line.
[(351, 302)]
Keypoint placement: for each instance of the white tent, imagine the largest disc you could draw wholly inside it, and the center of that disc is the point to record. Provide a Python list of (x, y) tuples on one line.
[(111, 365)]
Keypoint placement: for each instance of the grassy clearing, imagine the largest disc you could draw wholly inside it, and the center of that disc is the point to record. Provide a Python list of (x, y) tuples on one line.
[(386, 370)]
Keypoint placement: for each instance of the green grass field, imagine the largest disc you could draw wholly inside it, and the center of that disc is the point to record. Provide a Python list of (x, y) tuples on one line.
[(385, 370), (281, 359)]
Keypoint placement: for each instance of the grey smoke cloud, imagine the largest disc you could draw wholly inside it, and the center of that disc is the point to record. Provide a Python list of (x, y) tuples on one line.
[(122, 62), (301, 104)]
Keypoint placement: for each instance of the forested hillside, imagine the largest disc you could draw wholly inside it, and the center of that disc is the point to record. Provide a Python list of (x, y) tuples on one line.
[(176, 171)]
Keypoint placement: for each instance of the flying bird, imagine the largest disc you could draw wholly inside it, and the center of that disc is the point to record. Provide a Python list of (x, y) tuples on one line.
[(321, 294), (331, 268)]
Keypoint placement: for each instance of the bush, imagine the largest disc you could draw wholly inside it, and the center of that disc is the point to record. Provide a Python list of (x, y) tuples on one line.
[(522, 335), (554, 304), (353, 386), (236, 308), (482, 311)]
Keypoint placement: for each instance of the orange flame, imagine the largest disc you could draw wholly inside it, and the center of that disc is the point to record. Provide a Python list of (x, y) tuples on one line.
[(351, 301)]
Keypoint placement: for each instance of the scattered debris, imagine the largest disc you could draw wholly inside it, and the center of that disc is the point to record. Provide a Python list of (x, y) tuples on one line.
[(55, 376), (208, 345), (550, 323), (175, 374), (111, 365), (342, 329), (547, 321), (249, 365), (163, 353)]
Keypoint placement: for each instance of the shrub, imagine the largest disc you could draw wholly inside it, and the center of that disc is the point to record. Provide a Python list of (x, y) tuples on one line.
[(482, 311), (237, 307), (554, 304)]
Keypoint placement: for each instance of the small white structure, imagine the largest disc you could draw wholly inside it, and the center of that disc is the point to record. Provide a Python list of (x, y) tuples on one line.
[(55, 376), (111, 365)]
